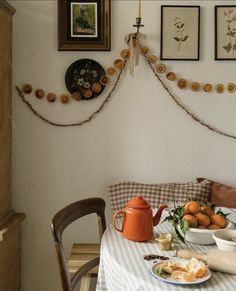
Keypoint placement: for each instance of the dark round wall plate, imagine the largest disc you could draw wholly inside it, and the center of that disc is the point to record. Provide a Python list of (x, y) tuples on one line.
[(84, 76)]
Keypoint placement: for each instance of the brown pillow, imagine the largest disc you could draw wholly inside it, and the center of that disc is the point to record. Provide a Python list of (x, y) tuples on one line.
[(222, 195)]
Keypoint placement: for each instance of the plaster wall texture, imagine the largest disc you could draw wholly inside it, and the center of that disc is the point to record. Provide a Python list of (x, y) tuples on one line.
[(141, 135)]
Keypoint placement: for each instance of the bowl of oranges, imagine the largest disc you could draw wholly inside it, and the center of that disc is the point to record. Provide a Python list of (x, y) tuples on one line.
[(195, 222)]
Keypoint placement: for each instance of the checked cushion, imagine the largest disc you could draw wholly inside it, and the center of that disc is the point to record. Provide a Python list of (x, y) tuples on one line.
[(155, 194)]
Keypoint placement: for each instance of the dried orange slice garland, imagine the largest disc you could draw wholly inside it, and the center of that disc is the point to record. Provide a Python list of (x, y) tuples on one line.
[(118, 65), (86, 92)]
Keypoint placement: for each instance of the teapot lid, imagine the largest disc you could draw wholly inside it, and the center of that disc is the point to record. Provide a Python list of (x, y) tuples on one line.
[(138, 202)]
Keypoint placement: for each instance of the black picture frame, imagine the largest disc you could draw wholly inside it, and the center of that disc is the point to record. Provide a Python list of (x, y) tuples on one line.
[(173, 37), (225, 35), (84, 25)]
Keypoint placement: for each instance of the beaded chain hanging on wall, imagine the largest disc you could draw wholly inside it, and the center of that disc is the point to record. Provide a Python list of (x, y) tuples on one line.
[(131, 56)]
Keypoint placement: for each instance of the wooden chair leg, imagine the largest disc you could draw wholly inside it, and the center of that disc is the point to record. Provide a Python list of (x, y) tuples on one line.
[(85, 282)]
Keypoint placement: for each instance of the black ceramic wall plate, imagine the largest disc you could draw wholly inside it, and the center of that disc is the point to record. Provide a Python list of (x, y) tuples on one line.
[(84, 76)]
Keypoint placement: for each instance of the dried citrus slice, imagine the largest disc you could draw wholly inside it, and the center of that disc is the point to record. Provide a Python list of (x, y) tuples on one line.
[(152, 59), (220, 88), (171, 76), (207, 87), (182, 83), (124, 54), (111, 71), (160, 68), (231, 87), (118, 64), (145, 50), (195, 86)]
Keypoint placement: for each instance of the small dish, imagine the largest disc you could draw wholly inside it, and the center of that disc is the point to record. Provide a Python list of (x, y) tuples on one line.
[(202, 236), (164, 241), (224, 239), (81, 75), (153, 271)]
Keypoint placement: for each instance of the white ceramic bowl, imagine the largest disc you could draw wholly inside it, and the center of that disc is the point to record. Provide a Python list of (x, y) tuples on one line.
[(202, 236), (222, 238)]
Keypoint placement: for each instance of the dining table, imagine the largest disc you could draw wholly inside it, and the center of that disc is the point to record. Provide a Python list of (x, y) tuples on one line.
[(123, 267)]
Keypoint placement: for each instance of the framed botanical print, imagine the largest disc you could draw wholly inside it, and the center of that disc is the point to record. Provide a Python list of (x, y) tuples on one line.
[(180, 32), (225, 32), (84, 25)]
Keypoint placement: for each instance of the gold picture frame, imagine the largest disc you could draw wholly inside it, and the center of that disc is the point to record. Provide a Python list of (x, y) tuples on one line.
[(84, 25)]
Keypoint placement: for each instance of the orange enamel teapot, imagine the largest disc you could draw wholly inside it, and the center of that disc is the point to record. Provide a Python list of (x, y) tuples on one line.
[(138, 221)]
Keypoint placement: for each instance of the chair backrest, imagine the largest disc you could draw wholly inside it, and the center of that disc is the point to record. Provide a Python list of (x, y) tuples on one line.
[(64, 218)]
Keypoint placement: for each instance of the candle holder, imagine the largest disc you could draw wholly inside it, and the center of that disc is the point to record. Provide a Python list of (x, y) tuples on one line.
[(138, 23)]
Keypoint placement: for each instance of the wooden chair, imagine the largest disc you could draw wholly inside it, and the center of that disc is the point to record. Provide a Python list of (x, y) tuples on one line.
[(84, 258)]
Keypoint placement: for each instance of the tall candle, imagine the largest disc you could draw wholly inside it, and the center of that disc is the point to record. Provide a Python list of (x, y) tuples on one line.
[(139, 8)]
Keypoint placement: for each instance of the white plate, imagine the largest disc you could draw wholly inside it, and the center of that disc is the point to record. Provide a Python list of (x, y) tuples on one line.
[(154, 267)]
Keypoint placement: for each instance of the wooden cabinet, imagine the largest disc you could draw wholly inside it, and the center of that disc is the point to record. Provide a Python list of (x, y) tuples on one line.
[(9, 220)]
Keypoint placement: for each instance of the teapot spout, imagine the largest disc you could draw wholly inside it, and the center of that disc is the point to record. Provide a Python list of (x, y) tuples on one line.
[(157, 216)]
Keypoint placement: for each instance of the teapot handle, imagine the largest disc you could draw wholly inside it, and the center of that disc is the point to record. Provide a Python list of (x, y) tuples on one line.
[(118, 212)]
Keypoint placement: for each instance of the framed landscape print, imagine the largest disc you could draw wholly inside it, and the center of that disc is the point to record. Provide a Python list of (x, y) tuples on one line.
[(84, 25), (180, 29), (225, 32)]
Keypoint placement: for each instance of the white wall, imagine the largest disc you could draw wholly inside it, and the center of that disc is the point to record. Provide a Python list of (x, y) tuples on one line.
[(141, 135)]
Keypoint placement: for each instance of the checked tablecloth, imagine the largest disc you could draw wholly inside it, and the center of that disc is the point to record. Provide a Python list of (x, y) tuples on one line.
[(122, 267)]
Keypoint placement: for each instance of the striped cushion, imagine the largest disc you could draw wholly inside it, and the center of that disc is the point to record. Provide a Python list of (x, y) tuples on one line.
[(155, 194)]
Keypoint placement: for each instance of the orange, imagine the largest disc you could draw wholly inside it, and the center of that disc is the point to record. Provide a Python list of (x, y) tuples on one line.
[(197, 267), (201, 226), (189, 277), (186, 208), (192, 207), (200, 273), (213, 226), (192, 221), (207, 209), (183, 276), (202, 219), (218, 220)]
